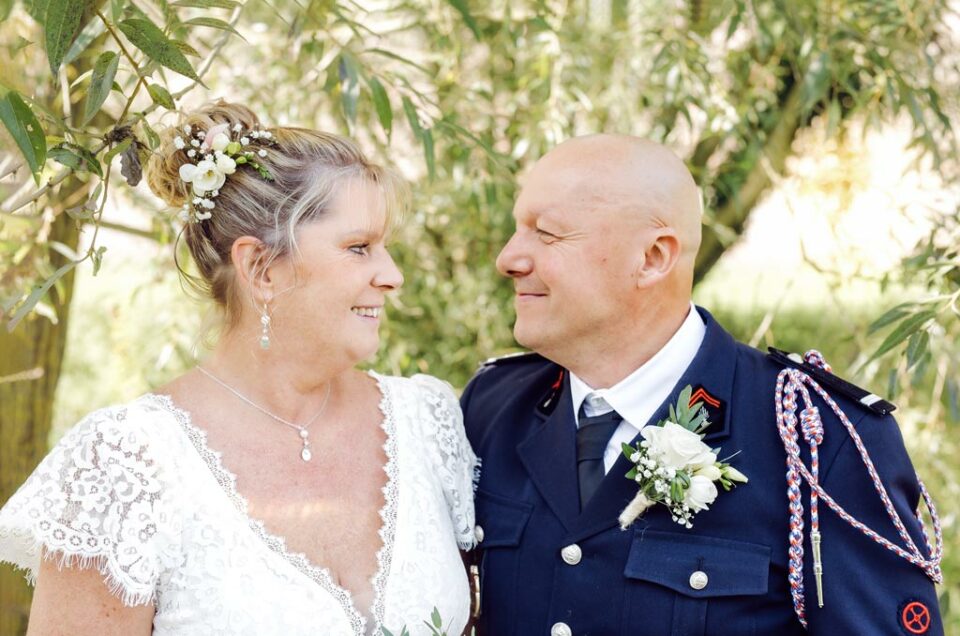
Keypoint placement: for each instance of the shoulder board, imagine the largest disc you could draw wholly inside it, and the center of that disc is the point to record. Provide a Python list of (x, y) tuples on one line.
[(867, 399), (512, 358)]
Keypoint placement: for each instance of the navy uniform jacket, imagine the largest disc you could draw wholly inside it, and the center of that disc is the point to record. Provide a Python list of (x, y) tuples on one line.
[(519, 418)]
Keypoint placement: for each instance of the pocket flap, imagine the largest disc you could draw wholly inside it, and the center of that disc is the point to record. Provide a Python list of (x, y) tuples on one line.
[(501, 519), (733, 568)]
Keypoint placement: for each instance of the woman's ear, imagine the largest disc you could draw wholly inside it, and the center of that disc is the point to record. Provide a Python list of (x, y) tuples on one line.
[(659, 258), (249, 257)]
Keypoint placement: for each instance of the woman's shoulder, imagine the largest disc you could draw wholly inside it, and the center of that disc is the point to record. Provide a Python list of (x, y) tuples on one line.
[(419, 385), (146, 418)]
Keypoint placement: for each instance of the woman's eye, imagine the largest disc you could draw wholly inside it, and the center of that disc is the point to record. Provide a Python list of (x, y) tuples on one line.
[(360, 249)]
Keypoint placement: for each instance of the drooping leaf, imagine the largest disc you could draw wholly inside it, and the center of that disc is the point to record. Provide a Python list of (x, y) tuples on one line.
[(25, 130), (61, 26), (88, 34), (113, 152), (429, 153), (75, 157), (214, 23), (104, 70), (148, 37), (130, 166), (161, 96), (412, 118), (904, 330), (38, 293), (381, 102), (206, 4), (464, 11)]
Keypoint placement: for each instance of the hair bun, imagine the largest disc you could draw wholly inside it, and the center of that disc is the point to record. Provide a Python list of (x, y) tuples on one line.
[(163, 169)]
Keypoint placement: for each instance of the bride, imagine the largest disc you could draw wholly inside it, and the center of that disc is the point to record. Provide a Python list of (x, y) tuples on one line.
[(274, 489)]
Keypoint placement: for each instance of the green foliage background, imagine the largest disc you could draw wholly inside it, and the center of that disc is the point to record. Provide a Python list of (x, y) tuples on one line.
[(463, 97)]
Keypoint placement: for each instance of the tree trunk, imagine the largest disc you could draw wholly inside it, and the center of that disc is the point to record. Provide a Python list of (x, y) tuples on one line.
[(30, 361)]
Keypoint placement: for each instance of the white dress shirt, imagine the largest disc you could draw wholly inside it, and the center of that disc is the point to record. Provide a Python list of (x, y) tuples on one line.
[(638, 395)]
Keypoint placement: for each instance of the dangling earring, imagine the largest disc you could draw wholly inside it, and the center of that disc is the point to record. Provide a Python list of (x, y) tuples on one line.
[(265, 332)]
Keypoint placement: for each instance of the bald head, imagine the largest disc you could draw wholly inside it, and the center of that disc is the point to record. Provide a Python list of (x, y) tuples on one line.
[(632, 176)]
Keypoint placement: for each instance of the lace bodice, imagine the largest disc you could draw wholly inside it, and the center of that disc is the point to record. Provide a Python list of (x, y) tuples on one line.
[(136, 492)]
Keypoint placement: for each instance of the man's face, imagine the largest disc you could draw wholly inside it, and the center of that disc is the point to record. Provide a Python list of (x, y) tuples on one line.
[(573, 260)]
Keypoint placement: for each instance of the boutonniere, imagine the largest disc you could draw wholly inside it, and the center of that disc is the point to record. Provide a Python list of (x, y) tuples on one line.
[(672, 465)]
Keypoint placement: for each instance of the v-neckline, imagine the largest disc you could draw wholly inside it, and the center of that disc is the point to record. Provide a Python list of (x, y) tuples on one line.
[(277, 544)]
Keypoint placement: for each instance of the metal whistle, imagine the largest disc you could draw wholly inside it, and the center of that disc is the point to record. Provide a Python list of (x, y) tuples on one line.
[(817, 566)]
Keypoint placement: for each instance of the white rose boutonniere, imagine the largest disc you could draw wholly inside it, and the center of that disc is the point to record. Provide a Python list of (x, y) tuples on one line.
[(672, 466)]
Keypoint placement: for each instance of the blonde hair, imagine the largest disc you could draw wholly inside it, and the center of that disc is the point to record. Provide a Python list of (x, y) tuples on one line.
[(307, 167)]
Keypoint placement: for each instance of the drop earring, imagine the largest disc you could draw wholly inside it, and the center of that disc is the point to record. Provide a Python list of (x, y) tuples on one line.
[(265, 332)]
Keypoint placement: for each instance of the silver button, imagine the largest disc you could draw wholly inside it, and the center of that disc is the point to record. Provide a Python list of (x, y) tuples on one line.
[(571, 554), (699, 580), (478, 533), (561, 629)]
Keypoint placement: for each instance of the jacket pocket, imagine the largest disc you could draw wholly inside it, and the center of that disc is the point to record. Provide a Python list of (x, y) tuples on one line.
[(503, 522), (699, 572)]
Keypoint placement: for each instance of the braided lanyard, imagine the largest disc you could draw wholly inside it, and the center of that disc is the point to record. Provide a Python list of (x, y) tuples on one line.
[(790, 382)]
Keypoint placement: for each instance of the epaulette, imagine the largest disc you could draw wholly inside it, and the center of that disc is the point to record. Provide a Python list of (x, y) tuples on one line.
[(826, 379), (512, 358)]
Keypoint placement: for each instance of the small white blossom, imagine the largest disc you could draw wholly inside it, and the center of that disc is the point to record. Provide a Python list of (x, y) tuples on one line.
[(266, 134), (244, 141), (255, 134), (201, 134), (197, 200), (237, 128), (208, 204), (187, 129), (195, 143), (215, 193), (262, 153), (191, 153), (178, 142)]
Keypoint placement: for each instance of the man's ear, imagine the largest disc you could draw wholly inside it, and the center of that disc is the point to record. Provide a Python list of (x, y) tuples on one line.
[(249, 257), (659, 258)]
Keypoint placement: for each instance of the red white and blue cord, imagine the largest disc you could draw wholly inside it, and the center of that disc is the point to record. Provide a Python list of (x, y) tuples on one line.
[(790, 382)]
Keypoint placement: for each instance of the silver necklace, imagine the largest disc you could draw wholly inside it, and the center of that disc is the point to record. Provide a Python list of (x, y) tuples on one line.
[(305, 453)]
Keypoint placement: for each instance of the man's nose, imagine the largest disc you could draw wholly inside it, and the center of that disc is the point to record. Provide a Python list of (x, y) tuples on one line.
[(513, 260)]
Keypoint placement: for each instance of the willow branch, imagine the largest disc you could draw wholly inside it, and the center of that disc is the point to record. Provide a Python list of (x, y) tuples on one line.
[(22, 198)]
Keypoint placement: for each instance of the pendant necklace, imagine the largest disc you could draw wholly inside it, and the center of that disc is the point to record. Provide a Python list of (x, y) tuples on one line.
[(302, 431)]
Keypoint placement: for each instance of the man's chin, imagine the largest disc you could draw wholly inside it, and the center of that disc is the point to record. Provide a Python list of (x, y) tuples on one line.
[(529, 335)]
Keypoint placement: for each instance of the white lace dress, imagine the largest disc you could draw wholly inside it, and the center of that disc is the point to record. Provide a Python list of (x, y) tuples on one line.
[(136, 492)]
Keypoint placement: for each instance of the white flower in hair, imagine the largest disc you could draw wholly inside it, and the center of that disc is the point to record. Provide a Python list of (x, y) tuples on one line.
[(179, 142), (204, 176), (225, 164), (217, 138)]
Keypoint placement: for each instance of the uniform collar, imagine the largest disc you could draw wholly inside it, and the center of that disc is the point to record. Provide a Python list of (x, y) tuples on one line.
[(638, 395)]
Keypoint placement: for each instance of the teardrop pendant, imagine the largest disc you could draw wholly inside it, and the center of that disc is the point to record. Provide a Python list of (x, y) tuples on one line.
[(305, 454)]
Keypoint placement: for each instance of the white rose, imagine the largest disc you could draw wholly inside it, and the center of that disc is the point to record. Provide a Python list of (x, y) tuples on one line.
[(675, 445), (225, 164), (700, 494), (187, 172), (207, 177), (220, 142), (710, 471)]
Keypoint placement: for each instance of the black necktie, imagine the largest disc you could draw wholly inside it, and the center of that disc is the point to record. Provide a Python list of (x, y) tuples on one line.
[(592, 437)]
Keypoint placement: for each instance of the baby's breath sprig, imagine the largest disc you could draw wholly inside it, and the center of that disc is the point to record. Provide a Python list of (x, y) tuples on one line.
[(212, 156)]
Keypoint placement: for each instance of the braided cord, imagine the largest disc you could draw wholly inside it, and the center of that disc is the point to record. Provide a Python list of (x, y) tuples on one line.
[(789, 383)]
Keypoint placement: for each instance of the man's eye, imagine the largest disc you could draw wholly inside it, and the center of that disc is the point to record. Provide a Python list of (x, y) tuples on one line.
[(360, 249), (545, 236)]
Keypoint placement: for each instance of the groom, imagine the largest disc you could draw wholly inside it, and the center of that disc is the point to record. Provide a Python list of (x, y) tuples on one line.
[(607, 231)]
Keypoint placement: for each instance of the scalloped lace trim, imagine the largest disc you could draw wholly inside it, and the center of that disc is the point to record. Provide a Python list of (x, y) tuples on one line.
[(320, 575)]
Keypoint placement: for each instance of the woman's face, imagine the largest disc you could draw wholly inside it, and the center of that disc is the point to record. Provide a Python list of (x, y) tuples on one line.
[(329, 300)]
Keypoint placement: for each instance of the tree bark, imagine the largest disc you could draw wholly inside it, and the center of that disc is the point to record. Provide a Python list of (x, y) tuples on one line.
[(26, 416)]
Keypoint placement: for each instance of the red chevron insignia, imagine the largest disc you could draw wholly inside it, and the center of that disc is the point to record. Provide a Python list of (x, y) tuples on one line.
[(701, 395)]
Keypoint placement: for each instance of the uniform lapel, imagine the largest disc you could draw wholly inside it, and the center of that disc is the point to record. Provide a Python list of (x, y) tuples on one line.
[(713, 369), (549, 454)]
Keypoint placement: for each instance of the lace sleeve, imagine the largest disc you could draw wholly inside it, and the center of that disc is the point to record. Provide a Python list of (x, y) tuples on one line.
[(95, 501), (456, 465)]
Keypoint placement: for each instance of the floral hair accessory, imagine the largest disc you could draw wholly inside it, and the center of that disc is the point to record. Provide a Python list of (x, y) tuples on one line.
[(213, 156), (672, 466)]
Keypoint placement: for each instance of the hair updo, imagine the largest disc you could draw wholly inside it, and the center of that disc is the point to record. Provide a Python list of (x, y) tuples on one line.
[(307, 168)]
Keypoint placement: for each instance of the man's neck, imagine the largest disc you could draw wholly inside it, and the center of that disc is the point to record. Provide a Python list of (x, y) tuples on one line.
[(607, 361)]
